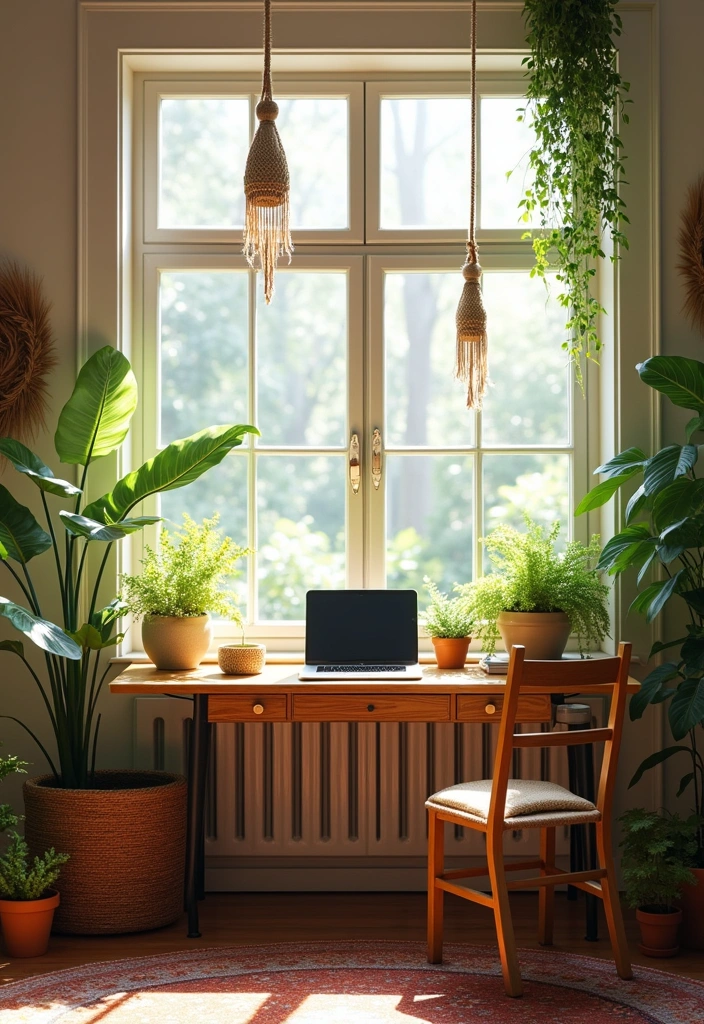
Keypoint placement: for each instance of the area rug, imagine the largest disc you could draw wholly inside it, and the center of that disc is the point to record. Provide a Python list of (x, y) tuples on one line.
[(350, 983)]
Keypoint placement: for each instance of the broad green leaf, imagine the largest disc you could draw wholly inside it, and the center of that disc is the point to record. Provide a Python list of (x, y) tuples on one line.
[(695, 424), (659, 646), (657, 758), (600, 494), (20, 534), (628, 538), (679, 379), (687, 707), (81, 526), (687, 533), (684, 782), (32, 466), (651, 601), (638, 500), (667, 465), (104, 618), (96, 418), (632, 458), (650, 688), (645, 566), (681, 499), (89, 638), (695, 599), (3, 552), (179, 464), (41, 632), (692, 653), (14, 646)]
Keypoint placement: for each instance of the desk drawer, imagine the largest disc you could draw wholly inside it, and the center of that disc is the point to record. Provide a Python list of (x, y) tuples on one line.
[(245, 707), (372, 707), (534, 707)]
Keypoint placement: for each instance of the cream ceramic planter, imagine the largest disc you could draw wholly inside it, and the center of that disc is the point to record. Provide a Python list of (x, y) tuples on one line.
[(242, 659), (177, 642), (543, 634)]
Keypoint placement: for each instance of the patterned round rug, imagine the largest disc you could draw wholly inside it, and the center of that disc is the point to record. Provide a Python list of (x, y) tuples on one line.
[(350, 983)]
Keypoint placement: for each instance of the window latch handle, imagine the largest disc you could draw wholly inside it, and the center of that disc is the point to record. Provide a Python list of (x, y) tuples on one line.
[(355, 468), (376, 458)]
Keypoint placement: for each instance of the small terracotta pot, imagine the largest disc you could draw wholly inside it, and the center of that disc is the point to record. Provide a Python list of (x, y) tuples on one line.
[(242, 659), (451, 652), (693, 912), (26, 924), (177, 642), (659, 932), (543, 634)]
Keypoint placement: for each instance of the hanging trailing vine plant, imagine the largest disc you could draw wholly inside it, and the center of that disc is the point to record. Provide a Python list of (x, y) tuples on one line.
[(575, 100)]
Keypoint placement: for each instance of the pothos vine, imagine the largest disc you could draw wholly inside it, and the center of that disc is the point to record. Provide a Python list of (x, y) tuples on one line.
[(575, 100)]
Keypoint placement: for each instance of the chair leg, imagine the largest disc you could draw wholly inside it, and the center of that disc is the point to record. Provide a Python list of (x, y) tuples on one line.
[(546, 905), (504, 924), (612, 904), (436, 859)]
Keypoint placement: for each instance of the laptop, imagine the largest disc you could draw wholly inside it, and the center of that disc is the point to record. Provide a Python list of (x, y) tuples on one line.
[(361, 634)]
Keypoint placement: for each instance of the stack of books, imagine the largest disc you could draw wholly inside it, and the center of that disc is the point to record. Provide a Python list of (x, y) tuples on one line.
[(494, 664)]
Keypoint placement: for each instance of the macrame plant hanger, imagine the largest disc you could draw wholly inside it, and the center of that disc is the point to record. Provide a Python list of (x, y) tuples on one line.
[(471, 365), (266, 182)]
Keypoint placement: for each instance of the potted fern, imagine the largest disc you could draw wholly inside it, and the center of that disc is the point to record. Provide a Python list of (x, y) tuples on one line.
[(179, 586), (536, 596), (656, 851), (449, 625)]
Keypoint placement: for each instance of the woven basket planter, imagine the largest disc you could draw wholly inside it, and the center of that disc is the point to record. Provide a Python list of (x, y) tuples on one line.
[(127, 842), (242, 659)]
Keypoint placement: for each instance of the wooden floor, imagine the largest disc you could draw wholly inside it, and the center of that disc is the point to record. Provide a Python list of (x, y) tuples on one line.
[(229, 919)]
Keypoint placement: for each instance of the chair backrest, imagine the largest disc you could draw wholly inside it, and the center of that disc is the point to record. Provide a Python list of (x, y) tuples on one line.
[(608, 676)]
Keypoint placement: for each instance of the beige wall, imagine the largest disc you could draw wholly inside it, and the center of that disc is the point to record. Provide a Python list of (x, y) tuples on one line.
[(38, 184)]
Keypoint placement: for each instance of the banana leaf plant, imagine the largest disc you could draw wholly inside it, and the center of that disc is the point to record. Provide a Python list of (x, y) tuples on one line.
[(664, 529), (93, 423)]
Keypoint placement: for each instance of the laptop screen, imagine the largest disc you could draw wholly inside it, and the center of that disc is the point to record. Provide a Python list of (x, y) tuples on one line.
[(369, 626)]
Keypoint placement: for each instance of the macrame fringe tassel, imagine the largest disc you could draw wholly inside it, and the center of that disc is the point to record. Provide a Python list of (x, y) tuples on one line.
[(267, 234), (472, 364)]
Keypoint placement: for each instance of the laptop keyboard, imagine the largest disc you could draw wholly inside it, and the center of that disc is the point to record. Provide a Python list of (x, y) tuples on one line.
[(361, 668)]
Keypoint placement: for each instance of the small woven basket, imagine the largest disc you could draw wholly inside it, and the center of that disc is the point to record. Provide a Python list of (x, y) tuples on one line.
[(242, 659), (127, 844)]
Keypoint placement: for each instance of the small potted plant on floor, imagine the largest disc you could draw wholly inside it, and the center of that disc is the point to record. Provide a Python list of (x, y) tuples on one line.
[(536, 596), (180, 585), (449, 625), (656, 851)]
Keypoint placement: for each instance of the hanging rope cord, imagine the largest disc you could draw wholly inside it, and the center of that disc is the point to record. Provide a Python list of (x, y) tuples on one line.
[(471, 240), (266, 79)]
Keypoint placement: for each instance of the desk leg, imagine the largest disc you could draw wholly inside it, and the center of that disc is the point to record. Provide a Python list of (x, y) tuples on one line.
[(197, 772), (583, 837)]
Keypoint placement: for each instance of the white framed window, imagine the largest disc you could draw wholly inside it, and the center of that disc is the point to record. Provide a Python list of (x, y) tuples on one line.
[(360, 335)]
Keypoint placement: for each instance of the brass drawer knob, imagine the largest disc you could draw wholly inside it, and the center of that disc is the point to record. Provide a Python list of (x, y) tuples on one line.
[(490, 709), (370, 707), (258, 709)]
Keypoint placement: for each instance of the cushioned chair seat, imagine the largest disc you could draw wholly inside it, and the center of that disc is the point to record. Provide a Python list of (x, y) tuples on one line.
[(529, 804)]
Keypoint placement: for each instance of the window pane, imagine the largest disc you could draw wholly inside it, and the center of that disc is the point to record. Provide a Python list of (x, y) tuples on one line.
[(301, 544), (536, 484), (428, 520), (223, 490), (203, 150), (314, 133), (203, 350), (528, 367), (302, 360), (425, 405), (505, 145), (424, 162)]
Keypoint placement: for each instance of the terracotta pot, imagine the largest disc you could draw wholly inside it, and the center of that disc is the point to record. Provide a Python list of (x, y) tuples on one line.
[(451, 652), (127, 846), (26, 924), (693, 912), (177, 642), (659, 932), (543, 634), (242, 659)]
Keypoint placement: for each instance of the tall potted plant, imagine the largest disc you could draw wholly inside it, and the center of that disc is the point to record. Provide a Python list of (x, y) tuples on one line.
[(536, 596), (132, 821), (664, 533)]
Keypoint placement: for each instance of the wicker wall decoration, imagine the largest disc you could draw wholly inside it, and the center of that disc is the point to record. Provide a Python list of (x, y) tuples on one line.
[(691, 265), (266, 182), (471, 365), (26, 351)]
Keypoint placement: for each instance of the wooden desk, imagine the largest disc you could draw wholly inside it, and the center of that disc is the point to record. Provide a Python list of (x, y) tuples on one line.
[(277, 695)]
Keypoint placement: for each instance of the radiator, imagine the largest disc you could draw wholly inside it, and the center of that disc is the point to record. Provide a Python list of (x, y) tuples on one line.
[(286, 797)]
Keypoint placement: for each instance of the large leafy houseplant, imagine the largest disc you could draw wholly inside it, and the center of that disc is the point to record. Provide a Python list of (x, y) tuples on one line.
[(656, 851), (93, 424), (664, 530), (575, 97)]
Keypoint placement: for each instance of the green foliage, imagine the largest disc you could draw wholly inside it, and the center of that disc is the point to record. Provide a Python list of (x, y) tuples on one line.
[(656, 851), (9, 766), (664, 529), (186, 578), (531, 576), (446, 617), (21, 879), (574, 98), (93, 424)]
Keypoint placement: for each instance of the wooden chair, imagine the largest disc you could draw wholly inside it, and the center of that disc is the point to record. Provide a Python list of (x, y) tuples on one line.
[(502, 804)]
